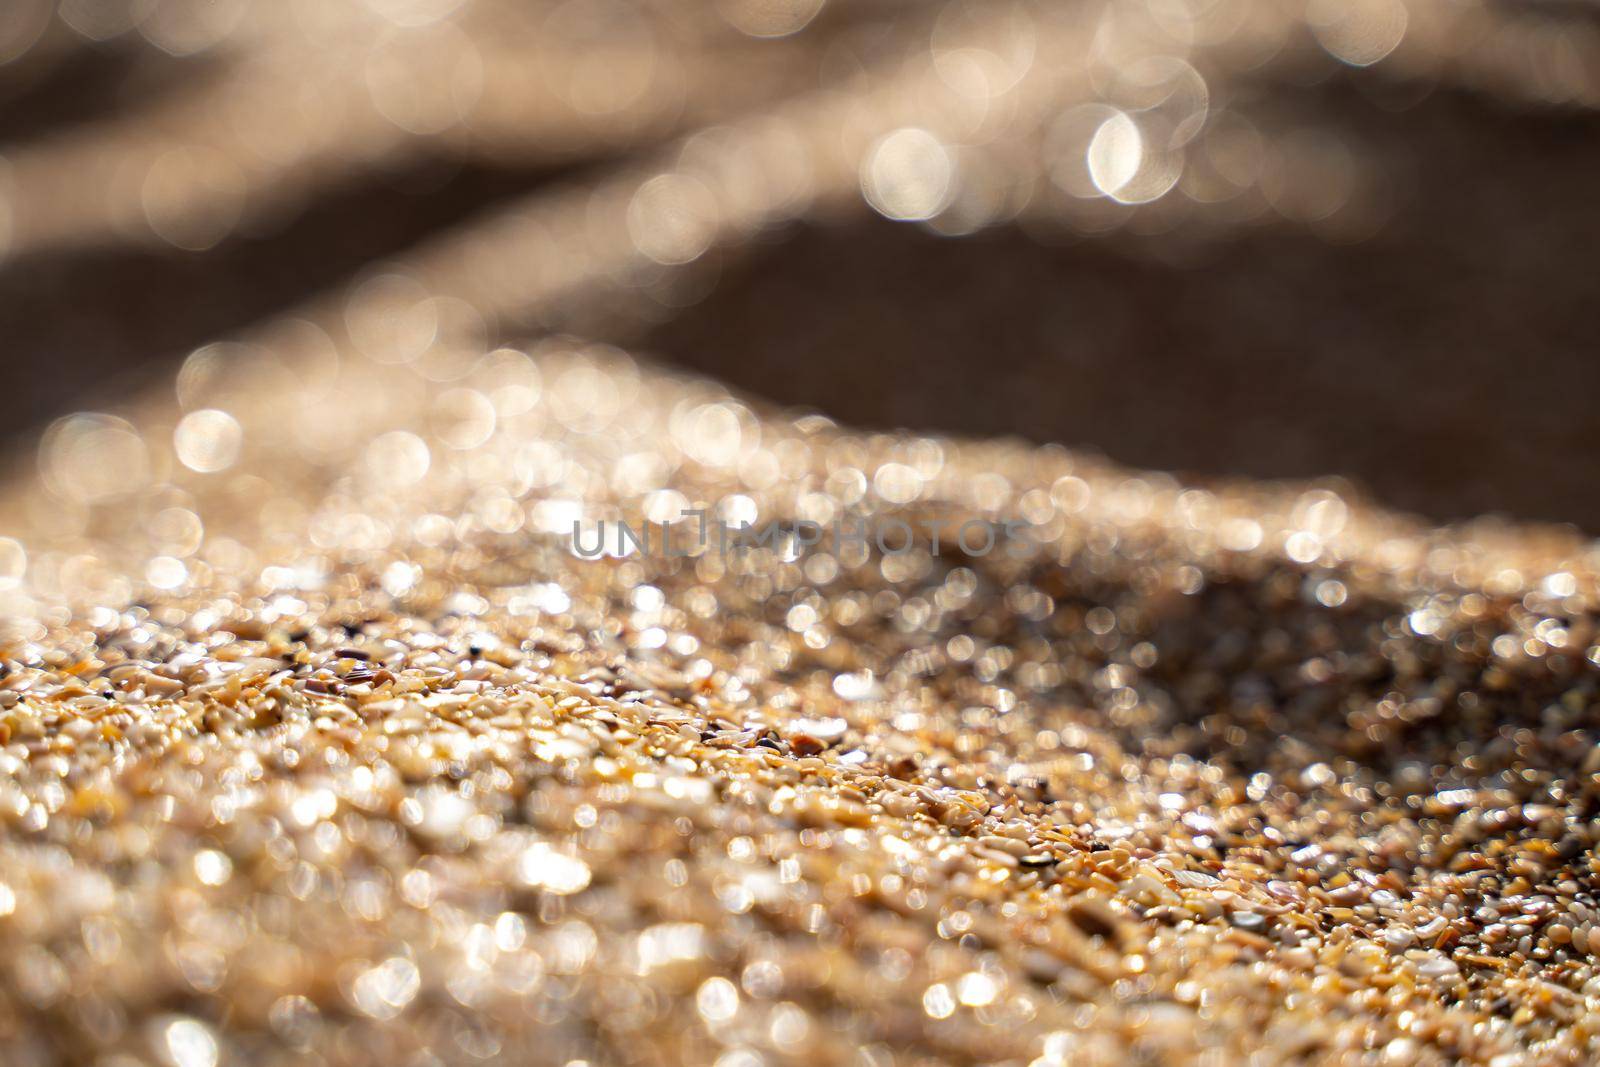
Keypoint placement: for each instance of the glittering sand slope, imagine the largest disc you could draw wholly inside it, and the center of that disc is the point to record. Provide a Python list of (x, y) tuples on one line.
[(355, 761), (321, 744)]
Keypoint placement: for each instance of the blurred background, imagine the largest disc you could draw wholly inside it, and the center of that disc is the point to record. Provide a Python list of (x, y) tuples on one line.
[(1218, 237)]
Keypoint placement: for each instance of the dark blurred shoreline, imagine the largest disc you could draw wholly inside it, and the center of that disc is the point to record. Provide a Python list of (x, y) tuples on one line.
[(1446, 364)]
